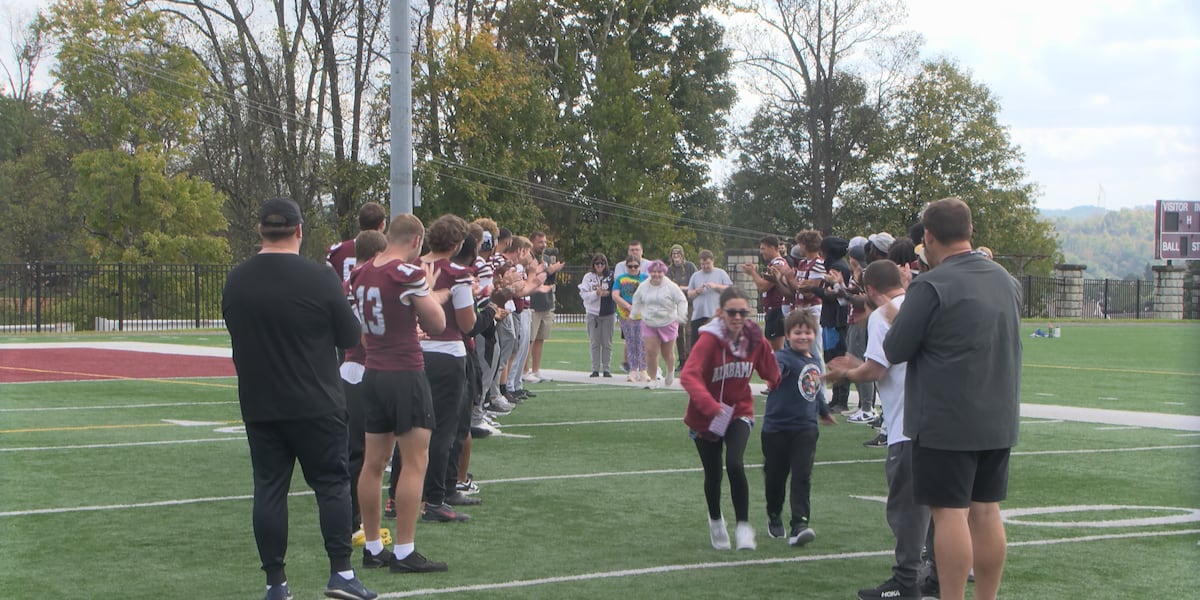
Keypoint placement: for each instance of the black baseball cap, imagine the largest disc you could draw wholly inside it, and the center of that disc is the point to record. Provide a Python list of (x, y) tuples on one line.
[(280, 212)]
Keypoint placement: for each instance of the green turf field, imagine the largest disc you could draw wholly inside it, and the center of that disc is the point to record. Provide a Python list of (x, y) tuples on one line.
[(597, 493)]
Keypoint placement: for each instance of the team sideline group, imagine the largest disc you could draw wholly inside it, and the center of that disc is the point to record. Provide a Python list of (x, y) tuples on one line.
[(438, 326)]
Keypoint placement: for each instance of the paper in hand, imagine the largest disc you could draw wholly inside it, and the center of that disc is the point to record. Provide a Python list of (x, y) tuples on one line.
[(721, 422)]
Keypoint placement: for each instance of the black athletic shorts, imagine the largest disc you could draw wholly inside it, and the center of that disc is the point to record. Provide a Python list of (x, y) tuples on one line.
[(397, 401), (773, 323), (956, 478)]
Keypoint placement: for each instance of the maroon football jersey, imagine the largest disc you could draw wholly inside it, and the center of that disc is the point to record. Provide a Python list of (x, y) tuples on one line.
[(457, 279), (383, 298), (773, 298), (341, 258), (356, 354)]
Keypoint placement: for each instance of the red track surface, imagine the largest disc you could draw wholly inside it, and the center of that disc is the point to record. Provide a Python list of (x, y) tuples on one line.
[(73, 364)]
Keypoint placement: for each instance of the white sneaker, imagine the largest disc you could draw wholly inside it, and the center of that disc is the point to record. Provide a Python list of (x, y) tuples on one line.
[(654, 385), (861, 418), (745, 536), (717, 534), (669, 377), (532, 377)]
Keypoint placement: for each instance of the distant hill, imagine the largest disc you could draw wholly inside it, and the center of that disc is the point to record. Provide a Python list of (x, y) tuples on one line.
[(1072, 214), (1116, 244)]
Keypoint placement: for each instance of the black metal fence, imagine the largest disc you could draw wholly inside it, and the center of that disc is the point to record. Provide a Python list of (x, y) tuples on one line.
[(1102, 298), (40, 297), (109, 297)]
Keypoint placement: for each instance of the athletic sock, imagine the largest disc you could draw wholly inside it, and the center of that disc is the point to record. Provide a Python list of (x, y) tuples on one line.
[(403, 550), (347, 575), (374, 546)]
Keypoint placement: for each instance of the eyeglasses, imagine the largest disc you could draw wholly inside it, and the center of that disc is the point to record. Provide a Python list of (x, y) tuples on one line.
[(599, 262), (737, 312), (633, 266)]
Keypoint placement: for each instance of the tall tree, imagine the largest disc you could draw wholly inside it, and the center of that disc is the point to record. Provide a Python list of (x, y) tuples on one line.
[(945, 139), (484, 129), (134, 99), (807, 49), (641, 91)]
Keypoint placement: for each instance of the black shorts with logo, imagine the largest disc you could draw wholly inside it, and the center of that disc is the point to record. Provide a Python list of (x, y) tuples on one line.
[(773, 323)]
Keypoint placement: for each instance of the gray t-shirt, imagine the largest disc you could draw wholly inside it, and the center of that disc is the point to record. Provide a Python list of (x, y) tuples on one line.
[(959, 331), (704, 306)]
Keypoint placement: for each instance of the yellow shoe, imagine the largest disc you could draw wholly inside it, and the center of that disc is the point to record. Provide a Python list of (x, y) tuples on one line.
[(360, 537)]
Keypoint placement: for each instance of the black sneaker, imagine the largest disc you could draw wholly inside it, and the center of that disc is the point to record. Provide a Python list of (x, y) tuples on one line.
[(515, 397), (774, 526), (890, 590), (442, 513), (416, 563), (377, 561), (389, 511), (879, 441), (460, 499), (607, 374), (278, 592), (594, 374), (930, 589), (801, 535), (347, 589), (839, 407), (526, 394), (877, 422)]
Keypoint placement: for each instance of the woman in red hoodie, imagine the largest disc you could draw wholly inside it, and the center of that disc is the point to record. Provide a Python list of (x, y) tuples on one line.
[(720, 411)]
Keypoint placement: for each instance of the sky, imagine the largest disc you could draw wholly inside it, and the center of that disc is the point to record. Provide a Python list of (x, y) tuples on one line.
[(1102, 96)]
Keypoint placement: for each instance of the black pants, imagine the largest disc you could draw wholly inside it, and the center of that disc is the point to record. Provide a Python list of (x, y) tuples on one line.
[(319, 445), (357, 443), (734, 444), (789, 453), (841, 391), (446, 376), (471, 393)]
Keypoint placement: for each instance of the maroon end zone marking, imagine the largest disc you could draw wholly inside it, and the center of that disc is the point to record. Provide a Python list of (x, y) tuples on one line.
[(64, 364)]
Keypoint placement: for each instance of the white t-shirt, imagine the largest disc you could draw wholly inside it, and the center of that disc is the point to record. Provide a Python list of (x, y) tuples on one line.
[(705, 304), (891, 387)]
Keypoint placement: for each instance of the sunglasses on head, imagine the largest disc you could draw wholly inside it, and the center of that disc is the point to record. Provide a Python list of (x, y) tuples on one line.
[(737, 312)]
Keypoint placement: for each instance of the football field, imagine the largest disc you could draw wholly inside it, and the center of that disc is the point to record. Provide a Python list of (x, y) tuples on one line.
[(124, 473)]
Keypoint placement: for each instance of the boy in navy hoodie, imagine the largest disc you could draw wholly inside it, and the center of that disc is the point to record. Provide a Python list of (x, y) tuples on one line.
[(789, 433)]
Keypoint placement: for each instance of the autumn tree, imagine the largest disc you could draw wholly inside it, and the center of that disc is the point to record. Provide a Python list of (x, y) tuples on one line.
[(812, 56), (133, 99), (945, 139)]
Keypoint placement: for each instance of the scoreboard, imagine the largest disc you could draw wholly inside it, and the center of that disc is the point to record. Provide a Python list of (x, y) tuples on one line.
[(1177, 230)]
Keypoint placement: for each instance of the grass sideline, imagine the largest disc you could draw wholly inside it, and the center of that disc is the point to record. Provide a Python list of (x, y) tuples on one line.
[(602, 498)]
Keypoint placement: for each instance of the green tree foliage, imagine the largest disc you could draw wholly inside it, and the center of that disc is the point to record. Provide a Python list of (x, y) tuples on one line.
[(944, 139), (486, 126), (810, 54), (36, 221), (772, 185), (641, 92), (134, 98)]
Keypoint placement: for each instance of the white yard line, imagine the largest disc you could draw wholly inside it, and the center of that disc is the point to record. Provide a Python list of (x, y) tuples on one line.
[(600, 575), (115, 406), (537, 478), (122, 444)]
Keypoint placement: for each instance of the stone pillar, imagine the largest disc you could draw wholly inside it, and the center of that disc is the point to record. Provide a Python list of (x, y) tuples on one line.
[(1068, 293), (1191, 296), (734, 259), (1168, 291)]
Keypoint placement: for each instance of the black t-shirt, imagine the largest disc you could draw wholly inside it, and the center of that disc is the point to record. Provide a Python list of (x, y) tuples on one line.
[(286, 317), (835, 313)]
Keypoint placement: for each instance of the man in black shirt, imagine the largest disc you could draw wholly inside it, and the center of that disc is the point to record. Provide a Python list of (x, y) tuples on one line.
[(286, 316)]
